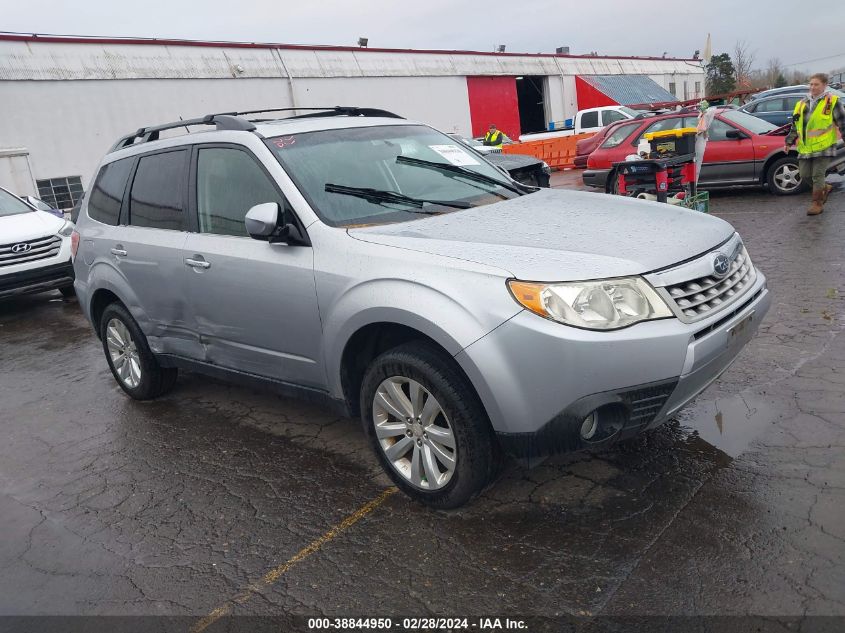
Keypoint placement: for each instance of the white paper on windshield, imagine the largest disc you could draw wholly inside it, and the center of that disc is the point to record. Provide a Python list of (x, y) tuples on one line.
[(454, 155)]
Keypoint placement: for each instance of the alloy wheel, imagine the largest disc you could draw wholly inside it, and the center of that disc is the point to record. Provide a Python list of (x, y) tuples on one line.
[(413, 431), (123, 353), (787, 177)]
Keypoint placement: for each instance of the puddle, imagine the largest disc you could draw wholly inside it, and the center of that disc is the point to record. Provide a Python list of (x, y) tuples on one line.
[(729, 424)]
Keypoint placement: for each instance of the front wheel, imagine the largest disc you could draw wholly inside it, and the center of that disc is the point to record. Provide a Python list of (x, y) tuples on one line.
[(427, 426), (783, 177), (130, 359)]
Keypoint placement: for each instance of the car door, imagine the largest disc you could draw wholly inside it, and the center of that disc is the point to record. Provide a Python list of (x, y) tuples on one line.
[(254, 304), (149, 249), (727, 160)]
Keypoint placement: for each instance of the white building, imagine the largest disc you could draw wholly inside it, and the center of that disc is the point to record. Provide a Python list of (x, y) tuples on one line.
[(65, 100)]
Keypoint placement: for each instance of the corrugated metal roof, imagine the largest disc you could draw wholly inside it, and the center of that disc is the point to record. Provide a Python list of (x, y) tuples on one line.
[(630, 89)]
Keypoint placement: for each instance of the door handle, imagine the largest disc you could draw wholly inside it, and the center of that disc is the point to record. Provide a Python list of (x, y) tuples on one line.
[(119, 252), (197, 263)]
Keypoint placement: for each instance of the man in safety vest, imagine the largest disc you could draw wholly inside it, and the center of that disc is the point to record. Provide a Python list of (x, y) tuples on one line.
[(814, 125), (494, 137)]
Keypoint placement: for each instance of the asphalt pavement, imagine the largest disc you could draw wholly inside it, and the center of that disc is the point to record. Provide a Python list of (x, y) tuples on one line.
[(220, 500)]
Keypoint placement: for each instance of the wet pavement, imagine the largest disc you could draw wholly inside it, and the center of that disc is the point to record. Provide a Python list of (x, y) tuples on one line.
[(179, 506)]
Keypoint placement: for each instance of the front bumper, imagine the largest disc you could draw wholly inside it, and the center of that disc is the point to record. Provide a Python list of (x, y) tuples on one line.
[(36, 280), (539, 380), (596, 178)]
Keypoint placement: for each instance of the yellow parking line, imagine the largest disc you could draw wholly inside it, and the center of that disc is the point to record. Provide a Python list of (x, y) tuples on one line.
[(274, 574)]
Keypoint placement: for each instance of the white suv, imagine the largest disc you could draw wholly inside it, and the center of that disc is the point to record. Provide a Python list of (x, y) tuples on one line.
[(35, 249)]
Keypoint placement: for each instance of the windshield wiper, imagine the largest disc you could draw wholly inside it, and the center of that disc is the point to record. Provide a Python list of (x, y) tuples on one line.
[(463, 172), (383, 196)]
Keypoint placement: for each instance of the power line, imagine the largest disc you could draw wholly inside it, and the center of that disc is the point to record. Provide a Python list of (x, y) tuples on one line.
[(818, 59)]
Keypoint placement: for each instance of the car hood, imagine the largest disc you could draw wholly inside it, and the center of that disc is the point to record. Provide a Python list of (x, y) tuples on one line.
[(560, 235), (513, 161), (27, 226)]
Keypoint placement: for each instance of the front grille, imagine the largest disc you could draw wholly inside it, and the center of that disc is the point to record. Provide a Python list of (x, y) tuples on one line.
[(39, 248), (698, 298)]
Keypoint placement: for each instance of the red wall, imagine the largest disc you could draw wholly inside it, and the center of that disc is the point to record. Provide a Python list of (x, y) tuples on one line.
[(589, 97), (493, 100)]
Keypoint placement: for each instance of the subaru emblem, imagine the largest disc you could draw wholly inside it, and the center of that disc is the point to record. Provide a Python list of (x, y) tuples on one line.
[(21, 248), (721, 265)]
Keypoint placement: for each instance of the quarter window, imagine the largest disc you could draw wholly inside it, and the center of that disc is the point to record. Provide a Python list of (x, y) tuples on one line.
[(107, 195), (229, 183), (157, 198)]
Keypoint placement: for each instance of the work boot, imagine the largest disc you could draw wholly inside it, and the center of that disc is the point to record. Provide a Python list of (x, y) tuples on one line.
[(818, 205), (826, 192)]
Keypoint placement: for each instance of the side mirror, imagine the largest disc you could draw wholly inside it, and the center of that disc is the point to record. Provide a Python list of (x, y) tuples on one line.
[(266, 222), (735, 134), (262, 220)]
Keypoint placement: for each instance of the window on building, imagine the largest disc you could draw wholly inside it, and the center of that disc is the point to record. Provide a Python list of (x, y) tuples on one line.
[(107, 194), (230, 183), (158, 191), (698, 89), (686, 90), (672, 89), (60, 193), (590, 119)]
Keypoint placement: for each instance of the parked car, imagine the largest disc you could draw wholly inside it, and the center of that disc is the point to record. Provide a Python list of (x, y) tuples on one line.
[(776, 109), (587, 121), (35, 249), (587, 146), (742, 150), (525, 169), (367, 262), (784, 90), (43, 206)]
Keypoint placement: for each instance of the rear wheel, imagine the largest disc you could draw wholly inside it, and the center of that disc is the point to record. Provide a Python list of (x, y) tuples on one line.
[(783, 177), (129, 357), (427, 426)]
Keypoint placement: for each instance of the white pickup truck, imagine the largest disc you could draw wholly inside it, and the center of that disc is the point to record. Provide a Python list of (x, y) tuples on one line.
[(586, 121)]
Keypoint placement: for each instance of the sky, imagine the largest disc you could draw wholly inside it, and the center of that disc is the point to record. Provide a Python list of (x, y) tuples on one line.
[(609, 27)]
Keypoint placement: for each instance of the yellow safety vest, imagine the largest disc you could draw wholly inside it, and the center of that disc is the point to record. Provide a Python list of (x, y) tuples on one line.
[(820, 131), (493, 139)]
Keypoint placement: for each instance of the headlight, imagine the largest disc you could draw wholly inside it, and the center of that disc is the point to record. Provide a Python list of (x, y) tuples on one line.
[(67, 229), (596, 305)]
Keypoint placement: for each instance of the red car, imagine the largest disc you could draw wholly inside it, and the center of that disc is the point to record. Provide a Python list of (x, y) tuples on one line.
[(742, 150), (587, 146)]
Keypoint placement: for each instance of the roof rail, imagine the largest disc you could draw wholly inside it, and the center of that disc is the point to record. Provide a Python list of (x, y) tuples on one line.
[(222, 121), (235, 121)]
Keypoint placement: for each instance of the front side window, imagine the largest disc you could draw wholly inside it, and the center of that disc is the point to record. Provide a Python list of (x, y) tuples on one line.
[(770, 105), (230, 183), (12, 205), (107, 194), (609, 116), (590, 119), (387, 173), (158, 191), (618, 135), (718, 130)]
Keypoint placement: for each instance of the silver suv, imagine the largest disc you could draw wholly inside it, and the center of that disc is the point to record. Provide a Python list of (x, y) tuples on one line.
[(373, 263)]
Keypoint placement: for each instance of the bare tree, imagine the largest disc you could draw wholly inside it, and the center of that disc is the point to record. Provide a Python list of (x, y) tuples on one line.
[(774, 73), (743, 59)]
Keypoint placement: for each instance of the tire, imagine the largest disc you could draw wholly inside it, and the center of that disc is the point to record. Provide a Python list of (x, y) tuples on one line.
[(140, 375), (783, 177), (67, 292), (460, 420)]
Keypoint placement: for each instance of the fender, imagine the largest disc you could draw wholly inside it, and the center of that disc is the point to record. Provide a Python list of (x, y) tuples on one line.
[(438, 315)]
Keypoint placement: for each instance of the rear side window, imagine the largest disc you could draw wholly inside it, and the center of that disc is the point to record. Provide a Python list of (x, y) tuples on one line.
[(590, 119), (618, 135), (230, 183), (107, 194), (157, 199)]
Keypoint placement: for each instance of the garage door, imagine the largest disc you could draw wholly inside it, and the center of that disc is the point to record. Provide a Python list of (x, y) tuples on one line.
[(493, 100)]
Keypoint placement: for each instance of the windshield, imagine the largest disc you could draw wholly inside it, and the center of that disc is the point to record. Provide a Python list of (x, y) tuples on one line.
[(748, 121), (40, 204), (399, 159), (12, 205), (634, 114)]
